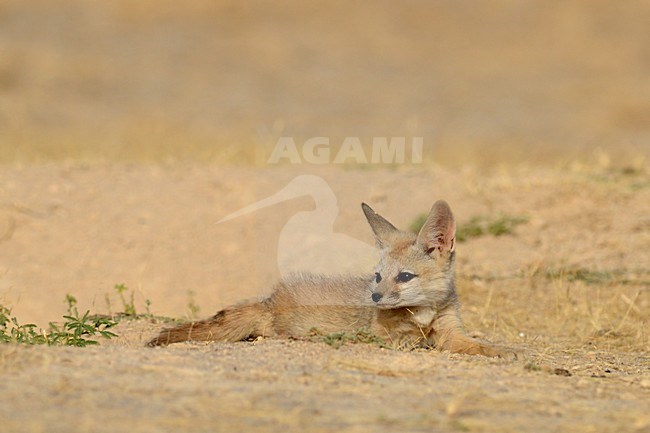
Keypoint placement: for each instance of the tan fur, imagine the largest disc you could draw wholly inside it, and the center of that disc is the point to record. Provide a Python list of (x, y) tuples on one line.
[(241, 321), (420, 312)]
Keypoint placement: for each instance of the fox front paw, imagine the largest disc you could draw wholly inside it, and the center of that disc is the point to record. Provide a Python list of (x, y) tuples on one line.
[(472, 346), (496, 351)]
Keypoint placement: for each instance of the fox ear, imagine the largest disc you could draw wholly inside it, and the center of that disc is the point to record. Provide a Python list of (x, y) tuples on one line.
[(380, 226), (438, 234)]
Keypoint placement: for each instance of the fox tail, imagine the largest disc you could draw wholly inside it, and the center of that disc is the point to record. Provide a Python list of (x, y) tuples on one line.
[(248, 319)]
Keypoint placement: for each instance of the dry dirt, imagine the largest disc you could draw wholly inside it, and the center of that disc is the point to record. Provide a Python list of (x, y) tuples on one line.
[(570, 287)]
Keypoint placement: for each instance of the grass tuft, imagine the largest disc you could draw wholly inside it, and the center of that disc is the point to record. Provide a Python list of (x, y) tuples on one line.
[(480, 225), (497, 225), (338, 339)]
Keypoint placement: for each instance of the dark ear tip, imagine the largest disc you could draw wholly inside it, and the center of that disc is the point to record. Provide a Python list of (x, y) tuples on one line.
[(366, 208), (441, 203)]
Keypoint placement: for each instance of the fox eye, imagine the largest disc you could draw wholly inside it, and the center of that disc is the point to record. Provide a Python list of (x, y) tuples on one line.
[(377, 277), (404, 277)]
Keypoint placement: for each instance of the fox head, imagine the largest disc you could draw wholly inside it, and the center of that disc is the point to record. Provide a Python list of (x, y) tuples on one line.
[(414, 270)]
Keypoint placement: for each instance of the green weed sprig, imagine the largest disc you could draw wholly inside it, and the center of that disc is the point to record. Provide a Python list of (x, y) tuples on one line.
[(75, 331)]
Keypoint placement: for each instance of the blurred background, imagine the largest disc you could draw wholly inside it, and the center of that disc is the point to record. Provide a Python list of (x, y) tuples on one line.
[(544, 82), (129, 128)]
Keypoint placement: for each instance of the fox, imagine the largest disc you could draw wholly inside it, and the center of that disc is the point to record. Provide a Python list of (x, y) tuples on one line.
[(410, 300)]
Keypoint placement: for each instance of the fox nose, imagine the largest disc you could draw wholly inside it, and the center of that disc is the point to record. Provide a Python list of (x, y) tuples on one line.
[(376, 297)]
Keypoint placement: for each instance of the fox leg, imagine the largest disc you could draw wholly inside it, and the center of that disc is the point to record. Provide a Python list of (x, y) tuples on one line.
[(449, 334), (248, 319)]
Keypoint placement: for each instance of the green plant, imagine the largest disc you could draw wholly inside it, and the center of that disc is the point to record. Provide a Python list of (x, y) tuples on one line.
[(71, 301), (338, 339), (129, 307), (192, 307), (129, 311), (496, 225), (531, 366), (590, 276), (75, 331), (12, 331), (147, 307), (480, 225)]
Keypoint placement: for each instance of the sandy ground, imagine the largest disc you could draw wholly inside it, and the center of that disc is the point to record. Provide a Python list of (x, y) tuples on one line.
[(299, 386), (569, 287)]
